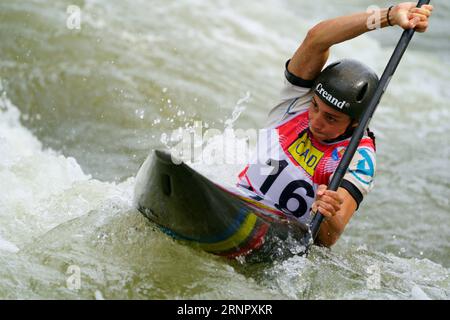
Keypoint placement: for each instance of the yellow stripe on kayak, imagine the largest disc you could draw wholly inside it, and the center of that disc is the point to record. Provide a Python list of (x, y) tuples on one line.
[(237, 238)]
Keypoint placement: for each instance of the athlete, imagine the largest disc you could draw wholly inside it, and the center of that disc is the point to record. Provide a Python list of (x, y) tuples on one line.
[(310, 128)]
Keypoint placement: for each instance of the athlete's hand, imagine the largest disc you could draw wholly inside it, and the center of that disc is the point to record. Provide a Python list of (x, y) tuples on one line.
[(408, 16), (327, 202)]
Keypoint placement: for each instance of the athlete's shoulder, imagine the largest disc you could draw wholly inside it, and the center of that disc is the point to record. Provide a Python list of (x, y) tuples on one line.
[(295, 97), (368, 143), (362, 168)]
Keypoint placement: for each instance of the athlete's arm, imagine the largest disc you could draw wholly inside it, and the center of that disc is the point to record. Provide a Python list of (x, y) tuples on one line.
[(313, 52), (337, 207)]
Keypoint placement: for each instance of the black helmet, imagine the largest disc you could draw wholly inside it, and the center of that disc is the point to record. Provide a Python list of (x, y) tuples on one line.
[(347, 86)]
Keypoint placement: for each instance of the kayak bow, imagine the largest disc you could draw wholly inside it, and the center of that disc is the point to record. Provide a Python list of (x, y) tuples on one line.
[(191, 208)]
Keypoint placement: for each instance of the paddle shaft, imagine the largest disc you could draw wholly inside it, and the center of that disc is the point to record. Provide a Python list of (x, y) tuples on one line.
[(365, 119)]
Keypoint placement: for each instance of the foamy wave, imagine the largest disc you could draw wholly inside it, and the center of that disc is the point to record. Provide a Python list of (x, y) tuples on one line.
[(7, 246), (41, 188)]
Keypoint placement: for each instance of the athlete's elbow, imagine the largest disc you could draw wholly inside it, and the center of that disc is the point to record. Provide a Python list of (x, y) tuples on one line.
[(328, 243), (327, 239), (315, 38)]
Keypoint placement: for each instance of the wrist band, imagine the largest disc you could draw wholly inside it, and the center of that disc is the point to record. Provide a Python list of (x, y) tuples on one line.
[(388, 20)]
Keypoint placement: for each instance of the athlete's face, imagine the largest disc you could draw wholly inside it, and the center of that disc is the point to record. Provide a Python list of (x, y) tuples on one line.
[(326, 123)]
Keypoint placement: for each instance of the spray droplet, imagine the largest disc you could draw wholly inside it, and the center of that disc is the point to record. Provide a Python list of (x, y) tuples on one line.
[(163, 138)]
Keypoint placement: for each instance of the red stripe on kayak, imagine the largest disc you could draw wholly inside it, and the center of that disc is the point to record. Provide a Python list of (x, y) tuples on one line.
[(253, 244)]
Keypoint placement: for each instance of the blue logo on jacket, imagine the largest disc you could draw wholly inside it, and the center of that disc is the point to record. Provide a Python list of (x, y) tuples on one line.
[(365, 168)]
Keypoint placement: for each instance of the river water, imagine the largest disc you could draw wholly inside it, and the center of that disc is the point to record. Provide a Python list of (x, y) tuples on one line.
[(80, 109)]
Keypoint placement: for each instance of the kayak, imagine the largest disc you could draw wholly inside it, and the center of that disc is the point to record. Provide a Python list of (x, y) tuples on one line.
[(193, 209)]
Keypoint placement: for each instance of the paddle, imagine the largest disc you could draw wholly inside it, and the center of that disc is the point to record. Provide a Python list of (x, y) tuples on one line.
[(364, 122)]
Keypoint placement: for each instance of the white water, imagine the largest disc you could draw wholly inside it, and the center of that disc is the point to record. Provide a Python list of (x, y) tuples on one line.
[(81, 124)]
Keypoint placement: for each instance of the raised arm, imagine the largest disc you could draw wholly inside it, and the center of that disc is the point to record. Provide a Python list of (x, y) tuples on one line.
[(338, 206), (313, 52)]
